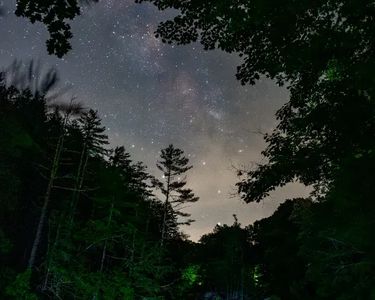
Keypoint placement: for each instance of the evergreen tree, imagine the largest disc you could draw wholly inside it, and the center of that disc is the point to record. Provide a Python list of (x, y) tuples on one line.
[(70, 110), (94, 141), (22, 133), (173, 166), (134, 175)]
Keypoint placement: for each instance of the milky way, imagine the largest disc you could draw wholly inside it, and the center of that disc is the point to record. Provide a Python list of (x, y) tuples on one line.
[(150, 95)]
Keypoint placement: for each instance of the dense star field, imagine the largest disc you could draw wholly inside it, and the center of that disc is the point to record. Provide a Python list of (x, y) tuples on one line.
[(187, 150), (150, 94)]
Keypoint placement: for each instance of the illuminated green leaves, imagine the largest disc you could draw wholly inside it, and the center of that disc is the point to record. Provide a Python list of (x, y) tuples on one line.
[(333, 71), (191, 274)]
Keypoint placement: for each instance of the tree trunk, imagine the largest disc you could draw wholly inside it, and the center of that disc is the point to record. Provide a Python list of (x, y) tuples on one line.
[(51, 252), (104, 250), (79, 183), (43, 214), (163, 231), (105, 242)]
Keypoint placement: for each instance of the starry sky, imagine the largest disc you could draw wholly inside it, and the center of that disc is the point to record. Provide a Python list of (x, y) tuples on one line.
[(150, 95)]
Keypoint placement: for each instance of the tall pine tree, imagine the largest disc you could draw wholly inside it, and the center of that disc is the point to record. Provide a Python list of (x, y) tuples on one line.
[(174, 165)]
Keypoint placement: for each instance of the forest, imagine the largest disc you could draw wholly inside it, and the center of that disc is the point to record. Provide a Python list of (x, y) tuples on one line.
[(81, 219)]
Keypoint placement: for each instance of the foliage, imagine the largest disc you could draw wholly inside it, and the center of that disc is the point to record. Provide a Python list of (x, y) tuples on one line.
[(55, 16), (227, 261), (337, 235), (321, 50), (20, 288), (275, 241), (190, 274), (98, 237), (109, 247)]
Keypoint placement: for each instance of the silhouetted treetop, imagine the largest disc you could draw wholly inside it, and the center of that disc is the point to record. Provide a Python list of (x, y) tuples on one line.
[(55, 15), (173, 165), (324, 50), (281, 39)]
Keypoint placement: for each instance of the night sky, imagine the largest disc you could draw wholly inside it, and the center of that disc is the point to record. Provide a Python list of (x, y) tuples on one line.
[(150, 95)]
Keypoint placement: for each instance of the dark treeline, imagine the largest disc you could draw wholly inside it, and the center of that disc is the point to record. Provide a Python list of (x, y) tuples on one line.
[(81, 221)]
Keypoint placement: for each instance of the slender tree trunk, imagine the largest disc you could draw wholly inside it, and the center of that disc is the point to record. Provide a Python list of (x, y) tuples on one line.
[(105, 242), (51, 252), (104, 252), (79, 183), (44, 287), (43, 214), (164, 225), (144, 242), (132, 257)]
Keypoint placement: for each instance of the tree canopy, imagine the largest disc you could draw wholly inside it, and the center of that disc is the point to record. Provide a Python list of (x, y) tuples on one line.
[(81, 220), (322, 51)]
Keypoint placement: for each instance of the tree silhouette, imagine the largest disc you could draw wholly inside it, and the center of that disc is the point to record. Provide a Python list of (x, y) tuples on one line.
[(227, 264), (55, 163), (280, 40), (322, 51), (276, 248), (54, 14), (94, 141), (337, 236), (173, 166), (49, 156), (78, 221)]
